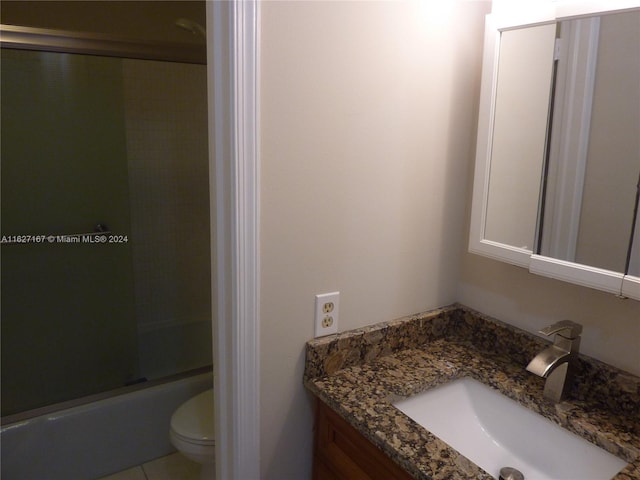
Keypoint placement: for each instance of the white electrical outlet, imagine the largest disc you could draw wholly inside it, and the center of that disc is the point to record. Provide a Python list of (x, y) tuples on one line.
[(326, 318)]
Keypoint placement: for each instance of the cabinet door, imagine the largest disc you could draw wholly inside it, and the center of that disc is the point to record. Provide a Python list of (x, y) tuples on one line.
[(321, 471), (341, 452)]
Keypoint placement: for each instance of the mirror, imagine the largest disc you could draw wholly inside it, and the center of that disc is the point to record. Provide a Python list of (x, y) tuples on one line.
[(519, 130), (558, 154), (594, 156)]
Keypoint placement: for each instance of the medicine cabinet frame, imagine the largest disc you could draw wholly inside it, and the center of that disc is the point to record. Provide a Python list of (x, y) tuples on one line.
[(506, 17)]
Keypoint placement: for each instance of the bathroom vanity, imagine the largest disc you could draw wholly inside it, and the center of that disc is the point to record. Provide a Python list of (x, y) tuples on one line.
[(358, 375)]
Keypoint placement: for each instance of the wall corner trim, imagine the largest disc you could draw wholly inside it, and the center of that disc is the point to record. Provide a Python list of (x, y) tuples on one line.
[(233, 85)]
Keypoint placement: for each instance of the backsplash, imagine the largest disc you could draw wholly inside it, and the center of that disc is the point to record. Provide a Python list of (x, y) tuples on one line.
[(594, 381), (327, 355)]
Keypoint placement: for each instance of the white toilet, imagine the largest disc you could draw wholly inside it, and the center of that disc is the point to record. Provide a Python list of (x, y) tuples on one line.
[(192, 432)]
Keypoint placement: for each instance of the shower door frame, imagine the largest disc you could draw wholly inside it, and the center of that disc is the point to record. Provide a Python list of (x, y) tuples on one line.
[(63, 41)]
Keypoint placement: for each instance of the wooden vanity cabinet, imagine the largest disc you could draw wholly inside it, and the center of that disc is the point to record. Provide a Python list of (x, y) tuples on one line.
[(343, 453)]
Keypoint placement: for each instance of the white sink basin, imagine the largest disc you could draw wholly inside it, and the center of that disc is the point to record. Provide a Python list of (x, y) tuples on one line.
[(494, 431)]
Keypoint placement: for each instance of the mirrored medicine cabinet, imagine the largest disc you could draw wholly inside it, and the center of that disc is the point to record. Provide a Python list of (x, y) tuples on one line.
[(557, 175)]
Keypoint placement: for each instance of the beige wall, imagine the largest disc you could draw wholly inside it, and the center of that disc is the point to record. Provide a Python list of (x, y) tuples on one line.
[(368, 126)]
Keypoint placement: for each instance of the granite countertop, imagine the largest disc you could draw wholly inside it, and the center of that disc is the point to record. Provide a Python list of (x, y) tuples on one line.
[(359, 373)]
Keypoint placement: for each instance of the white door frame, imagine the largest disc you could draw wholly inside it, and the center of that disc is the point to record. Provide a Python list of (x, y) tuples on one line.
[(233, 68)]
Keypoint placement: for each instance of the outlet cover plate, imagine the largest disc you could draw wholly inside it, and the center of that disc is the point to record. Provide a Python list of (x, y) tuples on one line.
[(326, 314)]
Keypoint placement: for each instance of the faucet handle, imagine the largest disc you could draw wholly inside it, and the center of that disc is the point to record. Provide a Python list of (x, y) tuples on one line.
[(564, 328)]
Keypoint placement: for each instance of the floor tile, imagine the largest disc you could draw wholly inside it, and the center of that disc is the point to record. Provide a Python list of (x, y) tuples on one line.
[(172, 467), (134, 473)]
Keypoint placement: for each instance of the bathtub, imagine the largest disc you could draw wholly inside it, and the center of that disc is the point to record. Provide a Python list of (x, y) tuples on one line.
[(99, 438)]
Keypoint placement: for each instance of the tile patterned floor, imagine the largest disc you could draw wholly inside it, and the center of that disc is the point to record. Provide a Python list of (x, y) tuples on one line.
[(171, 467)]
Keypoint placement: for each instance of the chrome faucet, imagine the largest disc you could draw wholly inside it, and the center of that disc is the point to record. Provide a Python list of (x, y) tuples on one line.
[(555, 363)]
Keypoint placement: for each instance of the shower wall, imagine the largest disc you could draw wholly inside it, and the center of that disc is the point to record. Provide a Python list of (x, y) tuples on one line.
[(166, 131), (89, 140)]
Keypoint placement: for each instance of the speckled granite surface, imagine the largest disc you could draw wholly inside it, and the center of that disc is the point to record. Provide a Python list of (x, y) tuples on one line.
[(359, 373)]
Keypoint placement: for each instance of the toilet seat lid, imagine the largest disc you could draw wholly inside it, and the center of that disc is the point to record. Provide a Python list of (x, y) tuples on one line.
[(194, 418)]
